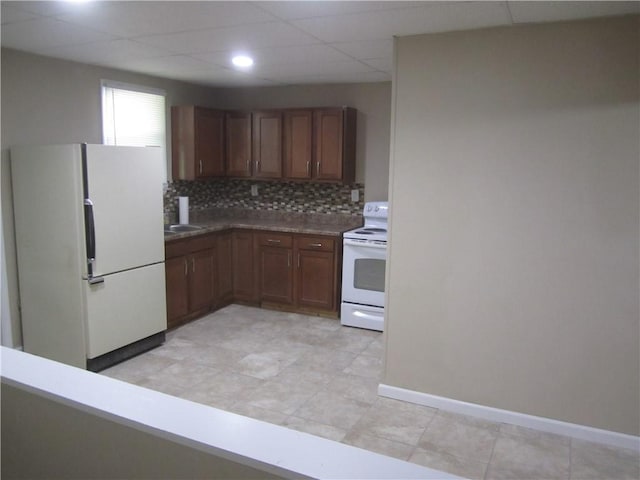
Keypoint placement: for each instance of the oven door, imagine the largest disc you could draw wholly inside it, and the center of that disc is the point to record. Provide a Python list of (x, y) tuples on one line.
[(363, 272)]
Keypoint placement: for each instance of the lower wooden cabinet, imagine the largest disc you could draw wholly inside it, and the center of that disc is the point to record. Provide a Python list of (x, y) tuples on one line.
[(244, 272), (275, 267), (299, 271), (281, 270), (190, 270), (317, 274), (224, 280)]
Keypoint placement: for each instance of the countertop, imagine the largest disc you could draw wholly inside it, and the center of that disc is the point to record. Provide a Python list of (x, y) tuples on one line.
[(288, 222)]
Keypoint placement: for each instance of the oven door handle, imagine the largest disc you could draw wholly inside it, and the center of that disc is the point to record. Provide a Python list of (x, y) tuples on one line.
[(355, 243)]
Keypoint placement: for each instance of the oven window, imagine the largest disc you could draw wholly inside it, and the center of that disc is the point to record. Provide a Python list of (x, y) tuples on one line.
[(369, 274)]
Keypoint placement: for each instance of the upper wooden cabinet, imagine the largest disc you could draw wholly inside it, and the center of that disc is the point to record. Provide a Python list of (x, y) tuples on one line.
[(197, 142), (298, 143), (334, 131), (316, 144), (267, 144), (238, 137), (319, 144)]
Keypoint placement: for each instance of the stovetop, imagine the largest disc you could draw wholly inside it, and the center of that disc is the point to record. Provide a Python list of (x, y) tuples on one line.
[(375, 223)]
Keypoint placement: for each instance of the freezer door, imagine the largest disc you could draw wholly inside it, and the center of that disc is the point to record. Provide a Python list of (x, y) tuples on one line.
[(124, 184), (125, 308)]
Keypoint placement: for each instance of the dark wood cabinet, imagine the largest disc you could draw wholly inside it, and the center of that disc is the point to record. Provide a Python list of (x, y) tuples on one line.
[(190, 272), (244, 273), (298, 145), (275, 267), (201, 275), (288, 271), (316, 273), (224, 281), (267, 144), (177, 287), (197, 143), (334, 136), (238, 143)]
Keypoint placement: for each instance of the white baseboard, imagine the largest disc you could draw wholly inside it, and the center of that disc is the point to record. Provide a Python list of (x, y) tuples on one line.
[(506, 416)]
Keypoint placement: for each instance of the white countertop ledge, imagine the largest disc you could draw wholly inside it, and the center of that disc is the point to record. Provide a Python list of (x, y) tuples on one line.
[(244, 440)]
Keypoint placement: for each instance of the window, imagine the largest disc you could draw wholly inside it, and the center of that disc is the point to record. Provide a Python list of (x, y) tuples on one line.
[(133, 116)]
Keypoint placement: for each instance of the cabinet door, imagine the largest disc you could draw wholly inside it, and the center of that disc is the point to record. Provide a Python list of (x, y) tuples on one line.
[(238, 136), (316, 279), (209, 143), (267, 144), (224, 280), (298, 130), (328, 137), (244, 280), (177, 285), (276, 275), (201, 280)]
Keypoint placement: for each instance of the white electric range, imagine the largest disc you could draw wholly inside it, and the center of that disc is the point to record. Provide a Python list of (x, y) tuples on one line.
[(363, 270)]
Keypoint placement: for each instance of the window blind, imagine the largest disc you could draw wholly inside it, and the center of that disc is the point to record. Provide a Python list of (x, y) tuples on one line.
[(133, 118)]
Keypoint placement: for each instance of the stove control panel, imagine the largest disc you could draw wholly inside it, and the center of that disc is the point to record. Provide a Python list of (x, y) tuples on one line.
[(376, 209)]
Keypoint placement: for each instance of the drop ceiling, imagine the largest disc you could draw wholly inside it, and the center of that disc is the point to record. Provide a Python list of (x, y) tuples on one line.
[(292, 42)]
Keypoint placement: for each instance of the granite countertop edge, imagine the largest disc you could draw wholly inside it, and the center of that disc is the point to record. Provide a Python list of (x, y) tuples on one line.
[(302, 227)]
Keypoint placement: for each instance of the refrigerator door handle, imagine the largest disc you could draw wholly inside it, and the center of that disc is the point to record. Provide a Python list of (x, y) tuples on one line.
[(90, 236)]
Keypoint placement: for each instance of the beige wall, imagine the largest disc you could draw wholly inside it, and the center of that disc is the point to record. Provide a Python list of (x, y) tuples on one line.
[(515, 284), (45, 439), (46, 100), (373, 102)]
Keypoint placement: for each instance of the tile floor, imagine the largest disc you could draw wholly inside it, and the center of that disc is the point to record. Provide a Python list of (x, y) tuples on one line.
[(310, 374)]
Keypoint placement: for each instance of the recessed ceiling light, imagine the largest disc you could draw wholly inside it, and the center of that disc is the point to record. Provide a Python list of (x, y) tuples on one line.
[(243, 61)]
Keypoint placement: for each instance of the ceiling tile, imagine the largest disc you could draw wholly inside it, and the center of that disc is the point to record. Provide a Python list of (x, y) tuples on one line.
[(290, 10), (367, 49), (429, 18), (310, 68), (344, 78), (265, 56), (44, 33), (167, 66), (11, 13), (529, 12), (246, 37), (131, 19), (49, 8), (110, 53), (383, 64)]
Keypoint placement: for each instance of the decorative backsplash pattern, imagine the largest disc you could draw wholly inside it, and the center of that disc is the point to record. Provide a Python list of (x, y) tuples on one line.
[(281, 196)]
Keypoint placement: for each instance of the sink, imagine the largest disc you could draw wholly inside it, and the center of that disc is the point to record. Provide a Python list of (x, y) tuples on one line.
[(181, 228)]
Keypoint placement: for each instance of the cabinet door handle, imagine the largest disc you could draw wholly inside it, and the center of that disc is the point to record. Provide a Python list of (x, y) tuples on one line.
[(257, 165), (289, 259), (248, 165), (200, 162), (316, 245), (193, 265), (318, 167), (186, 267), (271, 240), (308, 165)]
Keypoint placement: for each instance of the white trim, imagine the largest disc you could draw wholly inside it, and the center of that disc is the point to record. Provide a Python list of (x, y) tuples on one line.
[(550, 425)]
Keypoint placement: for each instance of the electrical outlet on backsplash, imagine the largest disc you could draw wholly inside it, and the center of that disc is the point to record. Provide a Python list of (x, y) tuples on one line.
[(275, 196)]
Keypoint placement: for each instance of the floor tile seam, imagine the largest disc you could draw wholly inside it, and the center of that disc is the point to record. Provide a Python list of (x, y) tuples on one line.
[(493, 449), (380, 437)]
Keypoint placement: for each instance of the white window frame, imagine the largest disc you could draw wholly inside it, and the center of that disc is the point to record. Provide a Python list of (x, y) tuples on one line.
[(134, 88)]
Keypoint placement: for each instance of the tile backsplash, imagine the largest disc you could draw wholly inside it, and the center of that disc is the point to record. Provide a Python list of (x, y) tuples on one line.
[(281, 196)]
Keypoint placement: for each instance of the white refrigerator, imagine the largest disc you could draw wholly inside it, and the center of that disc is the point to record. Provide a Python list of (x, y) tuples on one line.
[(90, 251)]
